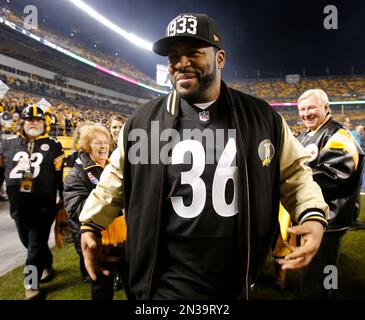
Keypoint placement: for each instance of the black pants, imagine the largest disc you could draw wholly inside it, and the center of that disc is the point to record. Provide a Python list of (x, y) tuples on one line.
[(103, 287), (312, 277), (33, 219), (34, 237)]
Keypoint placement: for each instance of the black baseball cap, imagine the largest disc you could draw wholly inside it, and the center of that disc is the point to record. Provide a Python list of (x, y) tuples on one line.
[(189, 26)]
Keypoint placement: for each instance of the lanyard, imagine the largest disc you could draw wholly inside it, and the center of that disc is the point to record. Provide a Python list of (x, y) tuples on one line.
[(30, 147)]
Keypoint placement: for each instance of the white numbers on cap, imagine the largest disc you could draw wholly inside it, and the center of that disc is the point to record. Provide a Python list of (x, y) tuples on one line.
[(183, 25)]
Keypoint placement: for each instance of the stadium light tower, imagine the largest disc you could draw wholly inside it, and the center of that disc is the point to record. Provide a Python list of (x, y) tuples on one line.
[(97, 16)]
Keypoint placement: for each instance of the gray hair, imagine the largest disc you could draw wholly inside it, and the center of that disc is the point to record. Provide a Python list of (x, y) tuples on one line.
[(321, 96)]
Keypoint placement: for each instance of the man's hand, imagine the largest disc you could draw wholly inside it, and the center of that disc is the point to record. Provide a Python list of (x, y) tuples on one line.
[(311, 233), (91, 250)]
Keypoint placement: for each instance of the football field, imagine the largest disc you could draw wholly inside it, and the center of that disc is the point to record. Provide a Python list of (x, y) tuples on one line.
[(67, 284)]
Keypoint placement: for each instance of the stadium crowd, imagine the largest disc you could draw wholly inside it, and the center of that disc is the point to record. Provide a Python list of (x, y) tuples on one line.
[(73, 44), (338, 88), (44, 89), (64, 116)]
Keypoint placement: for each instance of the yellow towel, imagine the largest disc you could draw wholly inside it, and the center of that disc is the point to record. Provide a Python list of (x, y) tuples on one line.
[(280, 249), (115, 233), (61, 228)]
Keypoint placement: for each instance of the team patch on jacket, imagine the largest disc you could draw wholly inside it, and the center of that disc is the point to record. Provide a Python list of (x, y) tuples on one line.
[(266, 152), (92, 178)]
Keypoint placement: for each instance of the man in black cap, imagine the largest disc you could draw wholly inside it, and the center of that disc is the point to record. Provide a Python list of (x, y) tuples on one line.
[(202, 195), (33, 172)]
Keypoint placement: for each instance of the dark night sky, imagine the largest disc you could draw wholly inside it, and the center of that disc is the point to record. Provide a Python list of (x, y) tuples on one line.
[(266, 35)]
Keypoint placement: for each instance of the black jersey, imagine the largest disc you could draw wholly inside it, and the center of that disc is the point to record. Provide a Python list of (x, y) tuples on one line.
[(44, 157), (200, 245)]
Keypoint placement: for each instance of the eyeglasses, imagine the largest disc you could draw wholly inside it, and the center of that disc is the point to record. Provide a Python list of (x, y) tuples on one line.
[(100, 143)]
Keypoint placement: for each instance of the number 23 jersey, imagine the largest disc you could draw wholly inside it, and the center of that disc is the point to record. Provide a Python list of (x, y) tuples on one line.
[(45, 158)]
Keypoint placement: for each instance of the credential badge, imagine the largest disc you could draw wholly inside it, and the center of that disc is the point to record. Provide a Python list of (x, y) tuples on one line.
[(266, 152)]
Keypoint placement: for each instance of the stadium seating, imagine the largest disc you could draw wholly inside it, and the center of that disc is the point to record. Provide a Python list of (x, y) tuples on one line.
[(274, 90), (44, 89), (337, 88), (114, 63), (64, 116)]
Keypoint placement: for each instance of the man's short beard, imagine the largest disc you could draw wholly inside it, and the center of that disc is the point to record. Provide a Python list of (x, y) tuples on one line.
[(33, 132), (204, 83)]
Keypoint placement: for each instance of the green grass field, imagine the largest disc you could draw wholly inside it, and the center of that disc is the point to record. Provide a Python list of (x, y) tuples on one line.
[(67, 284)]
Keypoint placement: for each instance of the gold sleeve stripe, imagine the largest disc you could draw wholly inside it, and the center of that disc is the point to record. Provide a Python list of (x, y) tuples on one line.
[(87, 228), (58, 163), (59, 158), (92, 166), (92, 226), (343, 139)]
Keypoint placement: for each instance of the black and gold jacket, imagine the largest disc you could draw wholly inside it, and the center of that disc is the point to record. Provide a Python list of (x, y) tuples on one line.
[(78, 184), (337, 162), (265, 175), (44, 157)]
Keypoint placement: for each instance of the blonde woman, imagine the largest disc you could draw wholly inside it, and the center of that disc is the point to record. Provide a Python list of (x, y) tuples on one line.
[(94, 145)]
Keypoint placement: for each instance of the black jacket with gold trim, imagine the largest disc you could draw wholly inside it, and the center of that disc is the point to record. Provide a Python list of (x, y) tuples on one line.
[(81, 180), (336, 161), (264, 179)]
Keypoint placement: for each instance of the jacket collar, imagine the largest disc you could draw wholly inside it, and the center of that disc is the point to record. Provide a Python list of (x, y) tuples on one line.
[(326, 119), (86, 162), (174, 100), (173, 103)]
